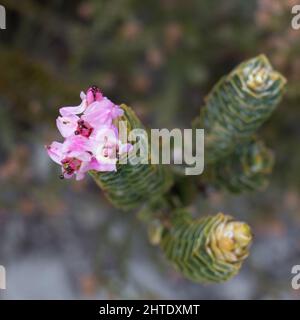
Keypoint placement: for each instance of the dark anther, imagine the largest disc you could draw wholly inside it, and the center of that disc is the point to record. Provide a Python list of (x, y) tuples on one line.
[(95, 89), (80, 122), (61, 177), (77, 132)]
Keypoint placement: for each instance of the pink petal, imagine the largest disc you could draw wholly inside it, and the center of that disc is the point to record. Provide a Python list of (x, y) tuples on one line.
[(66, 111), (55, 151), (80, 155), (99, 106), (76, 143), (117, 112), (93, 96), (82, 95), (107, 167), (67, 125), (98, 118), (68, 176), (107, 135), (91, 165)]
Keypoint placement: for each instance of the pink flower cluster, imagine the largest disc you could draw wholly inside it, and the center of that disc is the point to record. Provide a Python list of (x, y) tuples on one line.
[(91, 139)]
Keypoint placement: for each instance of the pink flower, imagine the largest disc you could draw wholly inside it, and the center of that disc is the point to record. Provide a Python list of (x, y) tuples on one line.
[(95, 111), (106, 147), (93, 94), (72, 155), (91, 140), (89, 122), (94, 103), (102, 112), (73, 125)]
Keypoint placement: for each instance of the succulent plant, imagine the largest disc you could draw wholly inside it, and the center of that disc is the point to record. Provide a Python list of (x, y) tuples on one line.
[(206, 249)]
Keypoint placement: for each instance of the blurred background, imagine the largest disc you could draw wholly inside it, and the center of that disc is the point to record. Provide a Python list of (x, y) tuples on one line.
[(62, 239)]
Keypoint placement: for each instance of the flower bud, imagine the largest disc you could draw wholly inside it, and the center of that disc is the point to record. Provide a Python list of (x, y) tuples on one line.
[(93, 94)]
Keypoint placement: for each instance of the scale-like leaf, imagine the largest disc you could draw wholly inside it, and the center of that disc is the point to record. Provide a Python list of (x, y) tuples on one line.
[(238, 105), (248, 168), (210, 249)]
